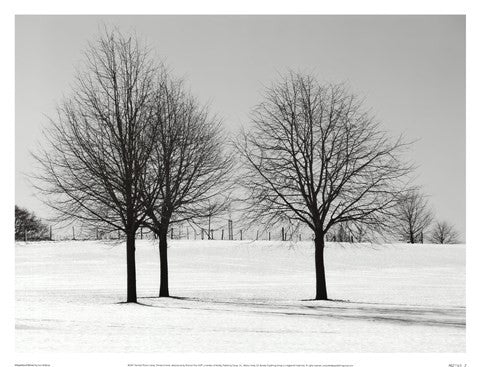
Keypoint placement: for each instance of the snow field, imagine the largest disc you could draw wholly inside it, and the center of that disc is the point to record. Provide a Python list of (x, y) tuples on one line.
[(234, 296)]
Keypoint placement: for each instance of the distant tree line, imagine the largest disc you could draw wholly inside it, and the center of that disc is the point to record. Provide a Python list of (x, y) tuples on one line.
[(413, 221)]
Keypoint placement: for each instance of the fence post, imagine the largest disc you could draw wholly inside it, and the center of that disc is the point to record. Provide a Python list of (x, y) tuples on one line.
[(283, 234), (230, 229), (73, 233), (50, 233), (269, 236), (241, 234), (222, 234)]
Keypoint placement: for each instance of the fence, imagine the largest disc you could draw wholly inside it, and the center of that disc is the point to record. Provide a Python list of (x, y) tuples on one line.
[(185, 232)]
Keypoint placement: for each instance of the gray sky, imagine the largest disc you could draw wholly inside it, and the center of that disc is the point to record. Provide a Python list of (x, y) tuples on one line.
[(410, 69)]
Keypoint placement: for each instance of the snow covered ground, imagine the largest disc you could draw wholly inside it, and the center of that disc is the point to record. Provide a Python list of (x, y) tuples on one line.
[(240, 297)]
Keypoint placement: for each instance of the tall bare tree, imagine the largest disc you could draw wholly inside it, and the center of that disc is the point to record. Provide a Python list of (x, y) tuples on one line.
[(314, 155), (190, 166), (413, 216), (443, 232), (95, 165)]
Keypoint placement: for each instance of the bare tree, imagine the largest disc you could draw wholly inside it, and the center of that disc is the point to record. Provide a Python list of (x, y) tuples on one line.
[(443, 232), (313, 155), (215, 213), (413, 216), (95, 165), (190, 166)]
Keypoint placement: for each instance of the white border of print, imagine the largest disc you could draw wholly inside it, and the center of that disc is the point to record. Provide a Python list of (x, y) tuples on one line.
[(10, 8)]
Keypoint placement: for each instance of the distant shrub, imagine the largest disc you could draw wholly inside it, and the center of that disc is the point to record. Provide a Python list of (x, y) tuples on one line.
[(28, 227)]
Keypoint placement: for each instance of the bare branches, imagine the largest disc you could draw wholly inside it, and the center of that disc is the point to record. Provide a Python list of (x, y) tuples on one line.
[(314, 155), (102, 137), (412, 216), (190, 163), (443, 232)]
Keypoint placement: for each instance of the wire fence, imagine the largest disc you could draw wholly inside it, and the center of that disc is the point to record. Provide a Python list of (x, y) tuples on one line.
[(226, 232)]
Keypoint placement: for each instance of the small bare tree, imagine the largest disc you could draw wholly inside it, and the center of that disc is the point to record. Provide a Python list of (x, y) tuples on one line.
[(413, 216), (190, 166), (313, 155), (443, 232), (95, 166), (213, 209)]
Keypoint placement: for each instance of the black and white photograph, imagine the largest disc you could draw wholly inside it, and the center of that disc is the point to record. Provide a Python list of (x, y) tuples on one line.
[(242, 183)]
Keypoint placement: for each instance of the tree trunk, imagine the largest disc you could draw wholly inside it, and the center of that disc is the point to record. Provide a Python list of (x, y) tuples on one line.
[(131, 272), (162, 246), (321, 286)]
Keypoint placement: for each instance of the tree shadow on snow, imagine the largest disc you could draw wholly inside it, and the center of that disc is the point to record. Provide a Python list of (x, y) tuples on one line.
[(329, 309)]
